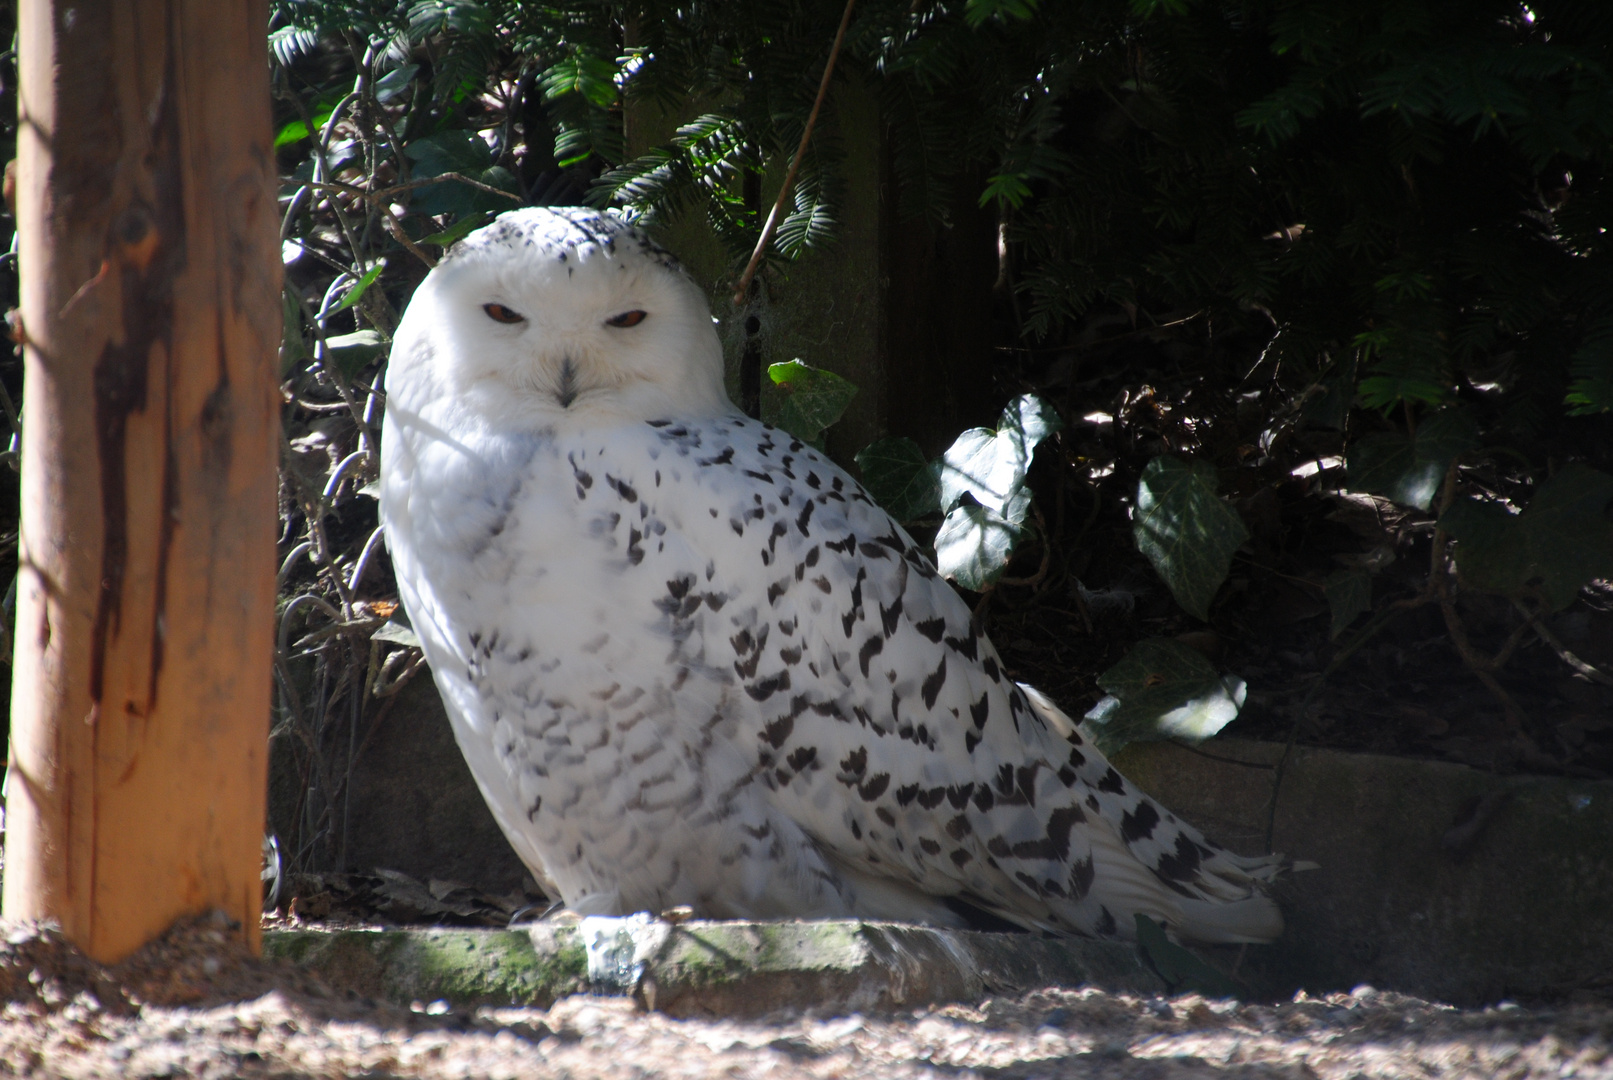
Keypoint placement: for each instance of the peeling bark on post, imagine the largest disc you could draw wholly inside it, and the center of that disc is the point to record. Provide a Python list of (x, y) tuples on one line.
[(150, 302)]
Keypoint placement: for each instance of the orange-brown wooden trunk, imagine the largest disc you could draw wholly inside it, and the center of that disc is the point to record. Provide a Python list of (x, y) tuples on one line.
[(150, 278)]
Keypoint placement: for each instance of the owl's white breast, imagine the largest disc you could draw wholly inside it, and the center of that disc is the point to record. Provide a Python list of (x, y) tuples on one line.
[(603, 731)]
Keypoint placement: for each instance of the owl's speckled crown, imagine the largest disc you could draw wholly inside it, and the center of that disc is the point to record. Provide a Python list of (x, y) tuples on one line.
[(561, 231)]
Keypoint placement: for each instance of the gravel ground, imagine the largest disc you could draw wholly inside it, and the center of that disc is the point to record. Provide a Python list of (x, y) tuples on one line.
[(194, 1004)]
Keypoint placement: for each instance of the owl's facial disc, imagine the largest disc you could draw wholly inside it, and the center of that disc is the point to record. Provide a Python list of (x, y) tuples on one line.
[(564, 313)]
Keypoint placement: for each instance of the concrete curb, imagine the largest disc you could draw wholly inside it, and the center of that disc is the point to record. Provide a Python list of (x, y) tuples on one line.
[(731, 969), (1435, 879)]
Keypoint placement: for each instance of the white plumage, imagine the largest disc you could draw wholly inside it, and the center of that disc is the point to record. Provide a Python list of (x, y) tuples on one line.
[(689, 661)]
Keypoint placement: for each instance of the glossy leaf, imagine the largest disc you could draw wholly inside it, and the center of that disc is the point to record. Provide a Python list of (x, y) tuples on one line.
[(360, 287), (294, 132), (813, 399), (395, 82), (1186, 531), (1492, 551), (900, 478), (1163, 689), (990, 465), (1561, 541), (973, 545), (463, 152), (349, 353), (1410, 470), (396, 633), (459, 229), (1349, 594)]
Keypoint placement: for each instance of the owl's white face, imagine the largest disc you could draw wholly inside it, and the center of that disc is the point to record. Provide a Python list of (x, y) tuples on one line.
[(558, 316)]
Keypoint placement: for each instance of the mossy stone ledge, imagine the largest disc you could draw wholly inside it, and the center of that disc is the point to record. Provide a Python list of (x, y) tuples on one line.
[(708, 968)]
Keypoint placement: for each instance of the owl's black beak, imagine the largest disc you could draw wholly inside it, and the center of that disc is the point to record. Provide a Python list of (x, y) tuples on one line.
[(567, 391)]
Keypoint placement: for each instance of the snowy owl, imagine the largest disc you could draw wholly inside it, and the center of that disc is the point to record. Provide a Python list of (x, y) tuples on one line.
[(690, 662)]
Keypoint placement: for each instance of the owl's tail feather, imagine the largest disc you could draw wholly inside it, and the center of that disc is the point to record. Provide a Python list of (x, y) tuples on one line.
[(1149, 861), (1229, 910), (1254, 920)]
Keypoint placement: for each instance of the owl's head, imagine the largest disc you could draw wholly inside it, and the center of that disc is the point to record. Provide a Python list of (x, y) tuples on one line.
[(557, 314)]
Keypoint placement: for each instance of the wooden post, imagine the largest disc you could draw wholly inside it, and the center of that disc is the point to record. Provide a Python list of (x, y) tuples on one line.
[(150, 304)]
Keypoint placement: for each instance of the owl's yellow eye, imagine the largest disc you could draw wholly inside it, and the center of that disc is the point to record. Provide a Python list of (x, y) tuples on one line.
[(626, 318), (500, 313)]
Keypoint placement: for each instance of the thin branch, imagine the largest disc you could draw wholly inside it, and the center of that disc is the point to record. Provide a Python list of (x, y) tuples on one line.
[(1439, 579), (789, 177), (408, 185), (316, 320), (395, 227), (1589, 670), (1047, 556)]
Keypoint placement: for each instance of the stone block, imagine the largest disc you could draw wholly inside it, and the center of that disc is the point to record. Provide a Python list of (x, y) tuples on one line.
[(414, 806), (1435, 879), (709, 968)]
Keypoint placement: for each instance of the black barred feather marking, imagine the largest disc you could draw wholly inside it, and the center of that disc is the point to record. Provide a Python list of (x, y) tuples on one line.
[(704, 668)]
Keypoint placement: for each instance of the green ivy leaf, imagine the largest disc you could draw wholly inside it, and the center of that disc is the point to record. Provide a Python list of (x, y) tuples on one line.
[(1163, 690), (459, 229), (1492, 551), (294, 132), (464, 152), (990, 465), (900, 478), (973, 545), (1410, 470), (1180, 969), (348, 353), (1187, 532), (396, 633), (1349, 593), (359, 288), (394, 82), (813, 399), (1570, 538), (449, 150), (1561, 541)]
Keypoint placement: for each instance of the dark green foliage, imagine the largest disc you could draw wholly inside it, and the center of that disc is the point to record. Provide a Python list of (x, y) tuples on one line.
[(1410, 468), (1370, 230), (1349, 596), (1180, 969), (1163, 690), (1415, 187), (1187, 533), (900, 478), (810, 399), (1560, 542)]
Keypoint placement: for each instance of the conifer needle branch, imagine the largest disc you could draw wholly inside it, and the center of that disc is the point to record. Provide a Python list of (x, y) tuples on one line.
[(795, 164)]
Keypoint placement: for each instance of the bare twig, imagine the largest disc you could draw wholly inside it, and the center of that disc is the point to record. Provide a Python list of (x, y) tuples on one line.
[(408, 185), (1589, 670), (395, 227), (743, 286), (316, 320), (1047, 557), (1439, 579)]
